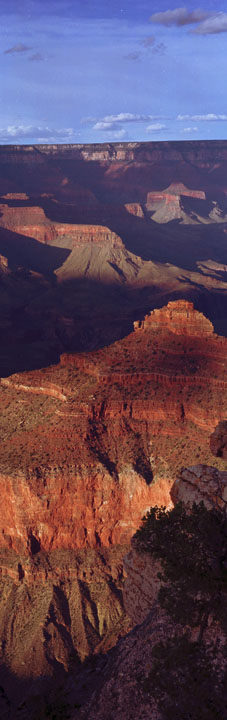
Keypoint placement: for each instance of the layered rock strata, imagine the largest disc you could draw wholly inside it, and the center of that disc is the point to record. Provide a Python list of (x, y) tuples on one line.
[(32, 222), (75, 219), (87, 446), (58, 608), (97, 440), (124, 687), (178, 317)]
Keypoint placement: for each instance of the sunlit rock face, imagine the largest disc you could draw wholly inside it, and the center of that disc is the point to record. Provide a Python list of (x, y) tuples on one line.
[(97, 420), (179, 317), (90, 444)]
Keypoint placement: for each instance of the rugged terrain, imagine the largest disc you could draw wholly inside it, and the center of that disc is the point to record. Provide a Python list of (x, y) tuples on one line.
[(124, 686), (89, 444), (93, 237), (103, 397)]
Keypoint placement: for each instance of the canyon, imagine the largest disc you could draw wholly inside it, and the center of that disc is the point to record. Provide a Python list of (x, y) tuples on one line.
[(113, 376), (89, 444), (125, 686), (87, 447), (94, 237)]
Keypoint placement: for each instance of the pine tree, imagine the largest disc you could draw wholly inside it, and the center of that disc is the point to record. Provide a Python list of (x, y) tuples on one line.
[(186, 679)]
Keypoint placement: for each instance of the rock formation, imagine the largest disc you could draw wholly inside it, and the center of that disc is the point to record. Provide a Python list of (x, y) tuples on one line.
[(178, 317), (93, 431), (123, 688), (32, 222), (201, 482), (75, 219), (58, 608), (170, 204), (99, 438), (218, 440), (87, 446)]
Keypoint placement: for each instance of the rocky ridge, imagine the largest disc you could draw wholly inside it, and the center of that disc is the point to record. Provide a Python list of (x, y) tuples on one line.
[(178, 317), (122, 689), (82, 256), (110, 418), (91, 484), (75, 220), (119, 424)]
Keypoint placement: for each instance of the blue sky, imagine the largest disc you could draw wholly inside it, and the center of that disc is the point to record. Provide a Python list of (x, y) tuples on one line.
[(106, 70)]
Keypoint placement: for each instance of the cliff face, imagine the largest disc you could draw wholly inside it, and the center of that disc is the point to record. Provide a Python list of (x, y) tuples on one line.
[(170, 204), (98, 439), (56, 508), (57, 609), (32, 222), (197, 152), (179, 318), (91, 238), (147, 221), (199, 483), (124, 688)]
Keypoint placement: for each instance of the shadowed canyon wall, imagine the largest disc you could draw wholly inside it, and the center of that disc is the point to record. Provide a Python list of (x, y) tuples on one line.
[(97, 418), (93, 237)]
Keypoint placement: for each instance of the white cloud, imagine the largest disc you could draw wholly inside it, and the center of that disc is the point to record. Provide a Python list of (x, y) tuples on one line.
[(118, 134), (118, 118), (154, 127), (104, 125), (88, 119), (17, 49), (15, 133), (210, 117), (180, 16), (113, 124), (129, 117), (213, 25), (112, 129), (112, 132), (189, 130)]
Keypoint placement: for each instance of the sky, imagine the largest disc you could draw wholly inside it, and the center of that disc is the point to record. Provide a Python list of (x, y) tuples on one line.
[(94, 71)]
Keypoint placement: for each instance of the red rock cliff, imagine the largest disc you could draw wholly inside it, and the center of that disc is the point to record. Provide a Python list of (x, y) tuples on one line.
[(97, 440)]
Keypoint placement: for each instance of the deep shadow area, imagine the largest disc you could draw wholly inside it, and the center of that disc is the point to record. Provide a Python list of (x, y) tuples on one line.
[(143, 467), (95, 192), (34, 332), (172, 242), (51, 697), (40, 317), (41, 698), (29, 697), (30, 254)]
